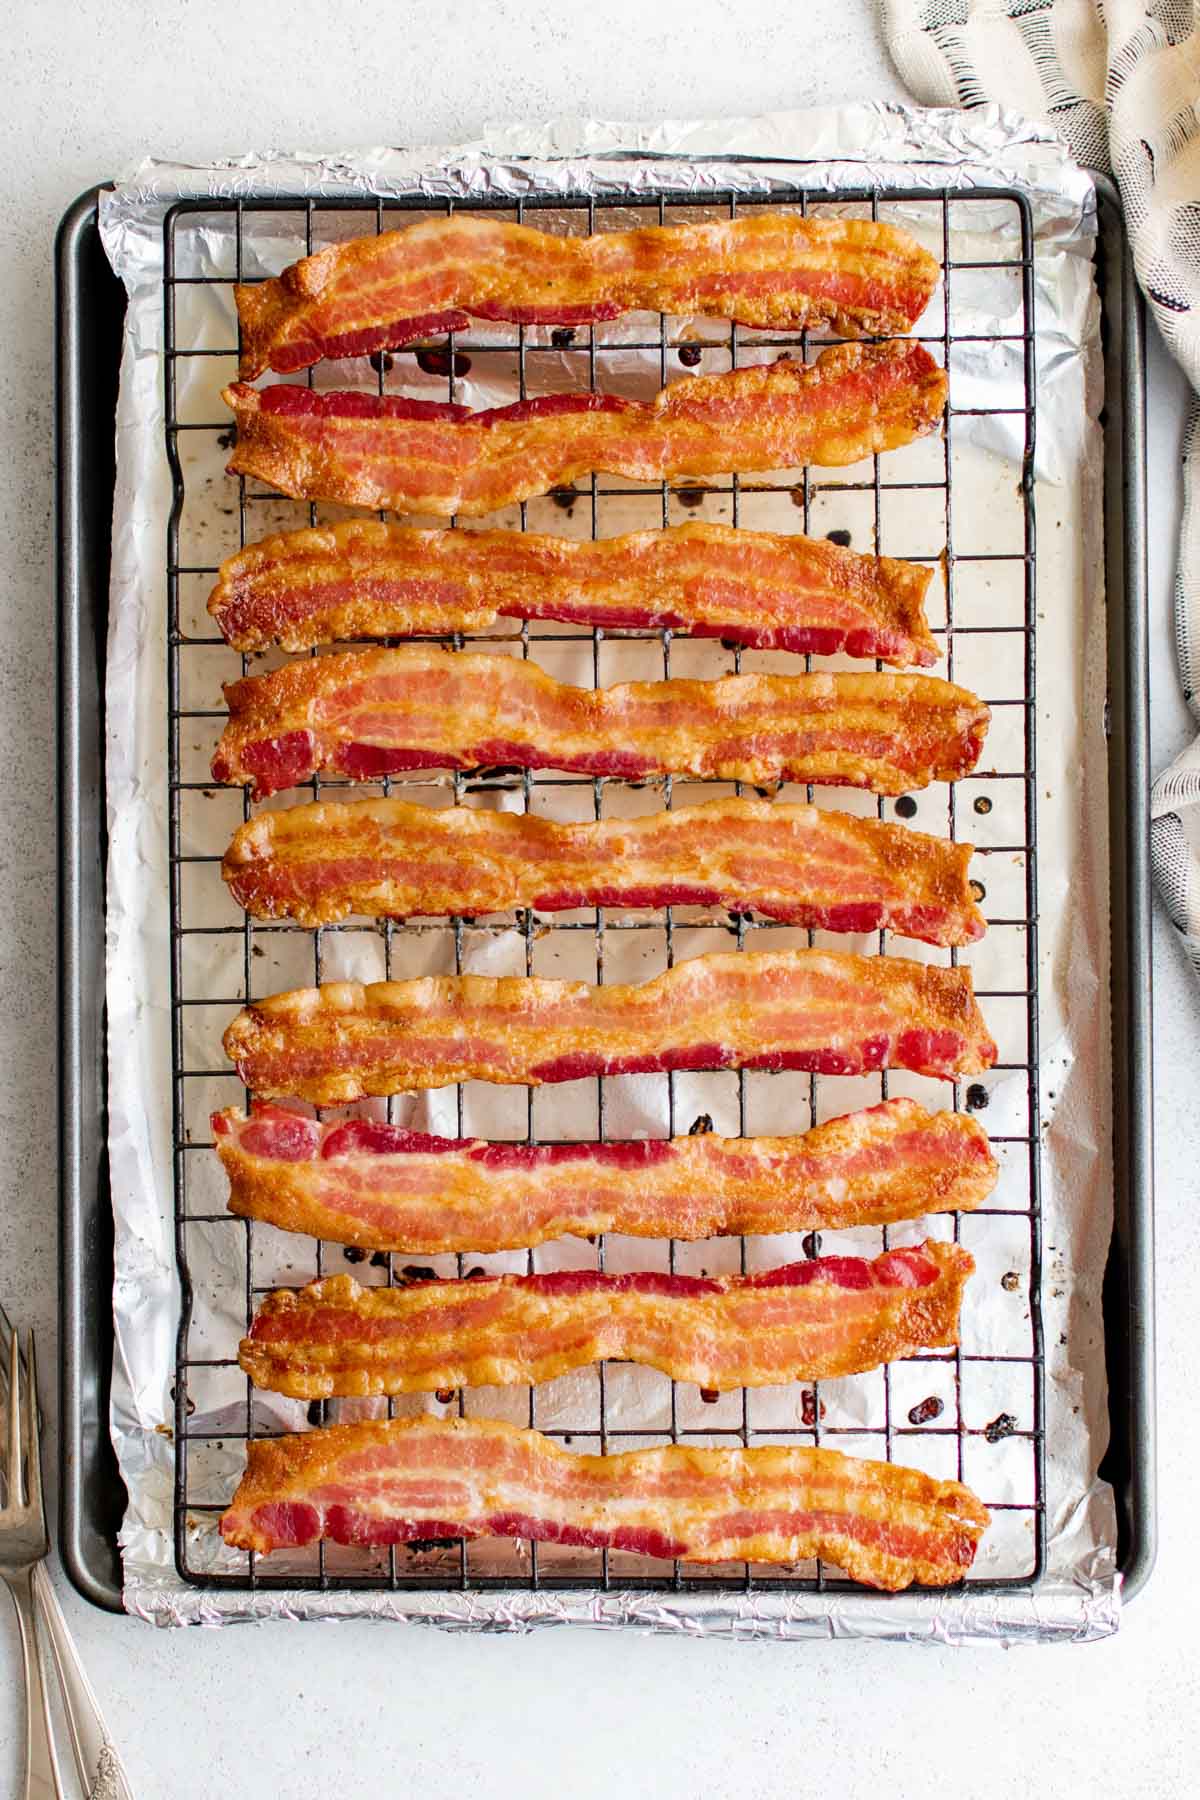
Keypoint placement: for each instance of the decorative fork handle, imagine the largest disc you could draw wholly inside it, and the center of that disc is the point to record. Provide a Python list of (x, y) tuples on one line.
[(41, 1763), (96, 1759)]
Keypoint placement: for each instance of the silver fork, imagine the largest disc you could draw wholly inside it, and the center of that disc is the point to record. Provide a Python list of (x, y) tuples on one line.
[(24, 1541), (24, 1545)]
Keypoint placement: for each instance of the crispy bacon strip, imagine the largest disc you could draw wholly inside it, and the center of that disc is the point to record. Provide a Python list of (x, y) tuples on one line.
[(835, 1315), (367, 713), (831, 871), (790, 1009), (419, 456), (397, 1481), (360, 1181), (766, 589), (770, 269)]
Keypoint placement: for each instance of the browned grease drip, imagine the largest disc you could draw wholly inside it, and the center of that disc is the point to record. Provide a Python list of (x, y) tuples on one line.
[(444, 362), (925, 1410)]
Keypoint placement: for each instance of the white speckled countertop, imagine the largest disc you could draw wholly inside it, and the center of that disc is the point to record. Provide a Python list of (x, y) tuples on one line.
[(313, 1712)]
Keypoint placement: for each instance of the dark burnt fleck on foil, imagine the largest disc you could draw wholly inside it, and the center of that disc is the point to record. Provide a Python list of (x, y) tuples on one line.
[(444, 362), (925, 1410)]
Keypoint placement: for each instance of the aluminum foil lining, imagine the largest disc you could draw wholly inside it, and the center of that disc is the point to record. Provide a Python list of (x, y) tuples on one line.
[(830, 151)]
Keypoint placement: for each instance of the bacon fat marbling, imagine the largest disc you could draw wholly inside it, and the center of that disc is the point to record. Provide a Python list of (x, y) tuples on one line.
[(815, 1010), (815, 1320), (802, 865), (364, 1182), (768, 269), (366, 713), (768, 590), (399, 455), (397, 1481)]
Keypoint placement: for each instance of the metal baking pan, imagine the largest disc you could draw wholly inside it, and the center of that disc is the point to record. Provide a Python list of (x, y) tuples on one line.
[(89, 317), (89, 320)]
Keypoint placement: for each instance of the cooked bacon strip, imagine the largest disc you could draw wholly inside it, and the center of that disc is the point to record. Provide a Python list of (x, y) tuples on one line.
[(420, 456), (367, 713), (830, 871), (770, 269), (835, 1315), (360, 1181), (398, 1481), (766, 589), (789, 1009)]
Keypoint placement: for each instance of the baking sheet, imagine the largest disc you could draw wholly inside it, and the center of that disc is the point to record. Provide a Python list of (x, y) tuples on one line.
[(849, 148)]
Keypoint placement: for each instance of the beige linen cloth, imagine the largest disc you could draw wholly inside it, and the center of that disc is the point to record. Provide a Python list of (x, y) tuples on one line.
[(1120, 81)]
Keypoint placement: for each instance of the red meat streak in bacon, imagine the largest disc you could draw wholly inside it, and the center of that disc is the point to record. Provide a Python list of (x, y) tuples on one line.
[(829, 871), (363, 714), (387, 452), (815, 1010), (399, 1481), (766, 589), (364, 1182), (766, 269), (816, 1320)]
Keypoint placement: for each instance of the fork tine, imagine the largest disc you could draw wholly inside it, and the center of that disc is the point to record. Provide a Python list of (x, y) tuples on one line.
[(12, 1468), (33, 1437)]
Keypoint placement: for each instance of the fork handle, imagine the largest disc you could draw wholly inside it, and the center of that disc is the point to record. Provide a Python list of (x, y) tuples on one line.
[(41, 1763), (96, 1758)]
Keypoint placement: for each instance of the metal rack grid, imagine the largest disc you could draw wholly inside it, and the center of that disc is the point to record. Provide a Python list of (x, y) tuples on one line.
[(403, 1567)]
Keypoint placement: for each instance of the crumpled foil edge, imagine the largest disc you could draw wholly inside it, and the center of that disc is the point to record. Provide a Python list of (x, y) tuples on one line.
[(1049, 1615)]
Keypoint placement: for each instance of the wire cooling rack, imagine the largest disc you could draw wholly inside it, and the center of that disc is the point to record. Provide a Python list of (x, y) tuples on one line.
[(975, 1413)]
